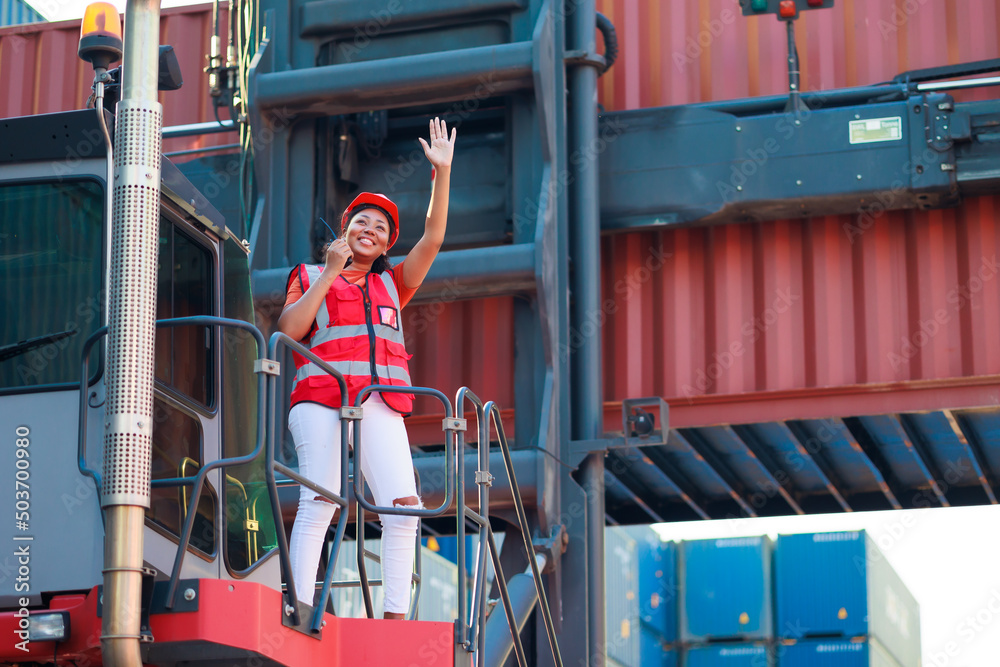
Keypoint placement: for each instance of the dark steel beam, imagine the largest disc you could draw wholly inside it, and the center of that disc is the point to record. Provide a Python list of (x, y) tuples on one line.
[(798, 435), (456, 275), (917, 448), (746, 437), (612, 482), (861, 441), (584, 251), (653, 478), (722, 472), (975, 451), (678, 481), (352, 17), (390, 83)]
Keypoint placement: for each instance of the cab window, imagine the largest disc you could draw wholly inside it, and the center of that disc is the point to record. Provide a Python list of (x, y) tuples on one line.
[(51, 270), (184, 288)]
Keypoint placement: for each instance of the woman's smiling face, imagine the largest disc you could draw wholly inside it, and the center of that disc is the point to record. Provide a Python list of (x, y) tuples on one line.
[(368, 233)]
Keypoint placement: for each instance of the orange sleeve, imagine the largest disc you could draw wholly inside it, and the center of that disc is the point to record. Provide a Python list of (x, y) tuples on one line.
[(293, 291), (405, 293)]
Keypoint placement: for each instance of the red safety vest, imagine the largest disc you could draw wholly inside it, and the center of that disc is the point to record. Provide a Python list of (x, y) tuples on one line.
[(358, 331)]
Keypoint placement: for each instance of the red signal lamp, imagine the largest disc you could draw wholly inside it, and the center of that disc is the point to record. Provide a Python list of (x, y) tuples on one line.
[(787, 10), (815, 3)]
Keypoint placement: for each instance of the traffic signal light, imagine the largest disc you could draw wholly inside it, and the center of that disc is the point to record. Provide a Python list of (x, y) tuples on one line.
[(786, 10)]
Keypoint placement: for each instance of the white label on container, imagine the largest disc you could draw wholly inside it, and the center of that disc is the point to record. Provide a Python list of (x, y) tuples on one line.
[(872, 130), (836, 537), (851, 647)]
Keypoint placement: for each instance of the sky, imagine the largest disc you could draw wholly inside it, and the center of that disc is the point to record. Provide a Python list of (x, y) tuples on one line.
[(61, 10), (949, 558)]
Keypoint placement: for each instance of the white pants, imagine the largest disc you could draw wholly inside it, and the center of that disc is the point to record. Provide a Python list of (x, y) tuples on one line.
[(388, 470)]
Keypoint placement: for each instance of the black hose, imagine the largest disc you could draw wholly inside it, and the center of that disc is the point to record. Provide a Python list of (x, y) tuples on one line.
[(607, 29)]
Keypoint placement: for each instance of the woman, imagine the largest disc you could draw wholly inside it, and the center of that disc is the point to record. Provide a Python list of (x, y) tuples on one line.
[(350, 317)]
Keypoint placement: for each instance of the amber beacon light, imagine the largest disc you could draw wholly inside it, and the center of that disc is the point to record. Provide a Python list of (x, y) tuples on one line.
[(101, 35)]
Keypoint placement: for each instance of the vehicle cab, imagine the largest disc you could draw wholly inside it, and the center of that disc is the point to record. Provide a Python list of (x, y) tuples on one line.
[(55, 216)]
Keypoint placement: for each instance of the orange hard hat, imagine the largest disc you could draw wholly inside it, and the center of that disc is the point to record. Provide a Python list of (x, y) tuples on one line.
[(377, 201)]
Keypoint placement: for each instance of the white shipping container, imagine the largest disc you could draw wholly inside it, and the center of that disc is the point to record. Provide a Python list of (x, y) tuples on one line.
[(438, 590)]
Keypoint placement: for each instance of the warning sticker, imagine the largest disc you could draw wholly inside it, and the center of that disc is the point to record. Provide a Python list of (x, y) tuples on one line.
[(876, 129)]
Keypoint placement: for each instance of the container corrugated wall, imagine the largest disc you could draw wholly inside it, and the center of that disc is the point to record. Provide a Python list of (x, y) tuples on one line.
[(621, 584), (726, 589), (701, 50), (810, 306), (840, 584), (835, 653), (813, 306), (757, 654), (17, 12), (820, 585), (658, 585)]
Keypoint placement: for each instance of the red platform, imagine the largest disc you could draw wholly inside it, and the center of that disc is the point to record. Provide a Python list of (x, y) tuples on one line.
[(242, 621)]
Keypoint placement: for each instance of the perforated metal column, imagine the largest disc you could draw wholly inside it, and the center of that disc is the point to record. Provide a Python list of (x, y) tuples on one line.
[(132, 294)]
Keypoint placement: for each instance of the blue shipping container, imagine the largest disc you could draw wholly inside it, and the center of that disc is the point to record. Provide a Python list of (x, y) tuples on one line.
[(670, 659), (840, 584), (726, 589), (859, 652), (654, 651), (658, 585), (757, 654), (17, 12)]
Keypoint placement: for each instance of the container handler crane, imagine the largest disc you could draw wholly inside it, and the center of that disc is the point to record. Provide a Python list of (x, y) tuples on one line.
[(183, 390)]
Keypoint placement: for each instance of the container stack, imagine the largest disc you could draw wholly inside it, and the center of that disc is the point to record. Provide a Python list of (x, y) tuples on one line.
[(726, 604), (813, 600), (839, 602)]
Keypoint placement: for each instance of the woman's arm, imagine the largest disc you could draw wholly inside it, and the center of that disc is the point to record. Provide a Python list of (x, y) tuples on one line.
[(297, 318), (439, 153)]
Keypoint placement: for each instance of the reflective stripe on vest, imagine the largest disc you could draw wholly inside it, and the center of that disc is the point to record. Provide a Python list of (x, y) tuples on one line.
[(345, 368), (382, 342)]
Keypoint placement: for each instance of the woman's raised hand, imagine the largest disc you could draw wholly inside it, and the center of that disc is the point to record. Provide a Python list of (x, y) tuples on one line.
[(441, 148), (337, 254)]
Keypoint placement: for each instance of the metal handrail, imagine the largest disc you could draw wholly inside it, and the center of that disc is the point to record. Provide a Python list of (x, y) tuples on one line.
[(279, 338), (199, 480), (508, 608), (493, 412), (81, 443), (359, 494), (473, 630)]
